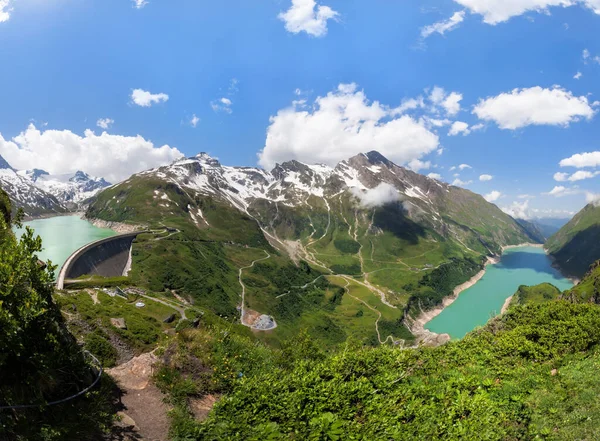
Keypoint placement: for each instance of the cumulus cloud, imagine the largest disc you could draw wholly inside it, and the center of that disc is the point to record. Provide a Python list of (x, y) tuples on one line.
[(441, 27), (105, 123), (581, 160), (484, 178), (593, 198), (561, 177), (144, 98), (493, 196), (459, 127), (222, 105), (307, 16), (578, 75), (458, 183), (450, 102), (139, 4), (534, 106), (343, 124), (518, 210), (382, 194), (194, 121), (5, 10), (62, 151), (416, 165), (560, 191), (435, 176), (581, 175), (464, 166), (498, 11)]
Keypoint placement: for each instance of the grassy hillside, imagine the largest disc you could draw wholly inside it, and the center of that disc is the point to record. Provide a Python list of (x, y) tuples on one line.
[(527, 375), (543, 293), (40, 361), (577, 245)]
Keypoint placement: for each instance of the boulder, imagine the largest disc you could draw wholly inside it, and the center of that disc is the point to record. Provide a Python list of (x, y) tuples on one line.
[(118, 323)]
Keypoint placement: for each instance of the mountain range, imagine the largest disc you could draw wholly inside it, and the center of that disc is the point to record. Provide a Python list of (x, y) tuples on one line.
[(399, 240), (39, 193)]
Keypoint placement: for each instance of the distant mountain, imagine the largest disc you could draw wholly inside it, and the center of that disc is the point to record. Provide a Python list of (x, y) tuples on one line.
[(396, 237), (24, 194), (69, 189), (538, 229), (577, 245)]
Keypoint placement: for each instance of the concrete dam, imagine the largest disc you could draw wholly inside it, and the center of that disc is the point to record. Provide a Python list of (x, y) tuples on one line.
[(109, 257)]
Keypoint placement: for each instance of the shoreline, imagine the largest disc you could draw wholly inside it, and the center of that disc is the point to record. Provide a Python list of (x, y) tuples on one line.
[(117, 227), (51, 215), (417, 325), (507, 303)]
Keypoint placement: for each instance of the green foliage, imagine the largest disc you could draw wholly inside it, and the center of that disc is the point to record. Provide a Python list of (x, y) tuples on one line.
[(440, 283), (575, 246), (40, 360), (492, 385), (347, 246), (544, 292), (98, 344)]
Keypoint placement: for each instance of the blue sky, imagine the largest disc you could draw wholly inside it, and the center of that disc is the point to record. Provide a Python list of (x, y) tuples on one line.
[(238, 66)]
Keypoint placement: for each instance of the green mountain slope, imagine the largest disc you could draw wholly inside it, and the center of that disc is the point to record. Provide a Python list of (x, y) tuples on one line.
[(366, 265), (577, 245), (40, 361)]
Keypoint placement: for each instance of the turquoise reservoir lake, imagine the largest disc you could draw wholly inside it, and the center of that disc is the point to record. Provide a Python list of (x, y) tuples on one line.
[(478, 304), (62, 235)]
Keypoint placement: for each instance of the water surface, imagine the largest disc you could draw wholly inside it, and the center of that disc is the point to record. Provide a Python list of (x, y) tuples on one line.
[(62, 235), (475, 306)]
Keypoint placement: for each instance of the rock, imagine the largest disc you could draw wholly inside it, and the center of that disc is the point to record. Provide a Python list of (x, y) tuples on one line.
[(554, 372), (196, 322), (118, 323), (169, 319)]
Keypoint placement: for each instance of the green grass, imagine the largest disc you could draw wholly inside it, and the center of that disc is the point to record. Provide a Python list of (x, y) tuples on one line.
[(535, 294)]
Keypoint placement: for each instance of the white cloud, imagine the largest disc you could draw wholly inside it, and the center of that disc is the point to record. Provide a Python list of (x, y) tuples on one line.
[(560, 191), (497, 11), (222, 105), (105, 123), (436, 176), (592, 198), (307, 16), (518, 210), (416, 165), (194, 121), (458, 183), (581, 175), (581, 160), (493, 196), (450, 102), (146, 99), (464, 166), (578, 75), (459, 127), (234, 86), (441, 27), (5, 10), (342, 124), (139, 4), (534, 106), (525, 196), (561, 177), (484, 178), (585, 55), (62, 151), (453, 168), (382, 194)]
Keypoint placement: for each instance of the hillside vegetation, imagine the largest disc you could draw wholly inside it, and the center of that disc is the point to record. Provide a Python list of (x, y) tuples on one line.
[(301, 246), (40, 360), (577, 245)]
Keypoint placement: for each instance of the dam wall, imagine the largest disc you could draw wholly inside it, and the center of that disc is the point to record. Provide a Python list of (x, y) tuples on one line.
[(109, 257)]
